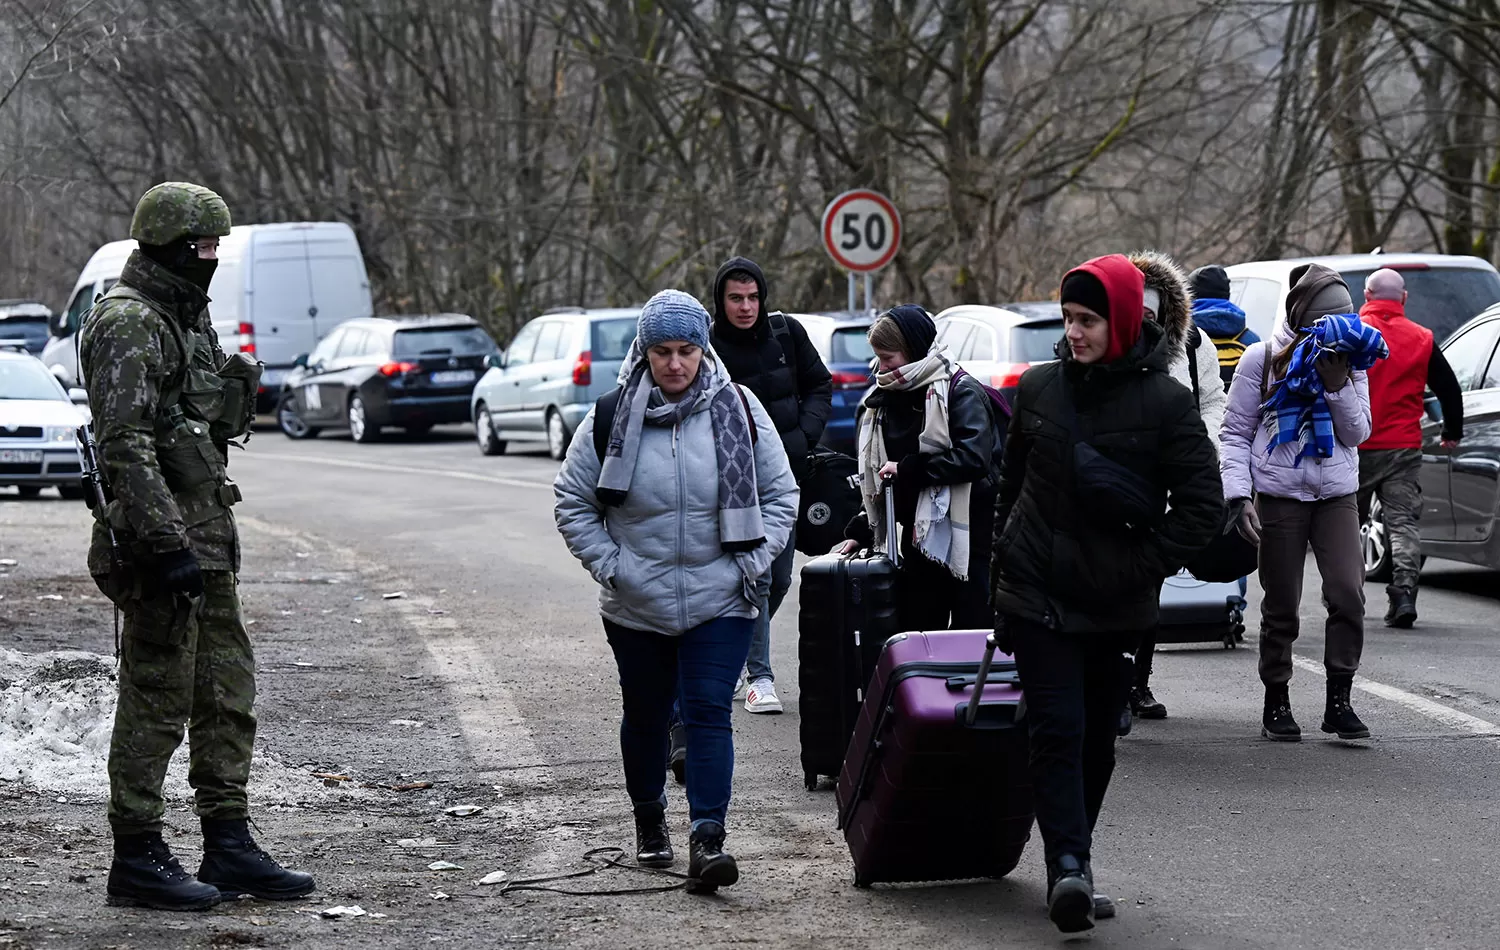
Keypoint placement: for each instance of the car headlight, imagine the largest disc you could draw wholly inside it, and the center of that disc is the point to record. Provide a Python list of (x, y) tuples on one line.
[(62, 434)]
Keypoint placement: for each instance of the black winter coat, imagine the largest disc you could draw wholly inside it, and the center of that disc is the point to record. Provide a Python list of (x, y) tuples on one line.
[(1053, 565)]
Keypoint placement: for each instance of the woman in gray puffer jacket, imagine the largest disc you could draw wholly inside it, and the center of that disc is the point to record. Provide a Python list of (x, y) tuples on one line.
[(676, 519)]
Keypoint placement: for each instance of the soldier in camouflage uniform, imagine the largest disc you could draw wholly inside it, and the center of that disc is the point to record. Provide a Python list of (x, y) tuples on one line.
[(166, 402)]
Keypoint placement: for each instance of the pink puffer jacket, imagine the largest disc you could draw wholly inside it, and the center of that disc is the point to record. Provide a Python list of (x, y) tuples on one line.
[(1243, 463)]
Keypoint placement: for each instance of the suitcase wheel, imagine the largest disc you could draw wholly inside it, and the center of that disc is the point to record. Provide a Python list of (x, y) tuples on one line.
[(863, 883)]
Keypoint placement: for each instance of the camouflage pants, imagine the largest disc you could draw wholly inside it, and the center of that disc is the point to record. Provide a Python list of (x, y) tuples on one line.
[(180, 671), (1395, 477)]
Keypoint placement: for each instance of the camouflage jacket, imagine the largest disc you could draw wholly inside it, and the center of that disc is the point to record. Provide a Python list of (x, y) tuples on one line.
[(148, 355)]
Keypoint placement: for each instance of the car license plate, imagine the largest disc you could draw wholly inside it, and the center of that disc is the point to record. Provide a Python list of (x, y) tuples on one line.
[(453, 377), (20, 455)]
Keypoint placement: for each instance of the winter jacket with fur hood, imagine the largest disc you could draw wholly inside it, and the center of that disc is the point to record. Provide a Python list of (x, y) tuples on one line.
[(1175, 314)]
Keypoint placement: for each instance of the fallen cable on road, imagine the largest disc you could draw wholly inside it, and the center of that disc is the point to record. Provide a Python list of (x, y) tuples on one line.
[(600, 859)]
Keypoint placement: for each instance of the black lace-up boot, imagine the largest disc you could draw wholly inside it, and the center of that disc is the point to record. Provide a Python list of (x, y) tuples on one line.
[(1339, 716), (1402, 613), (677, 751), (236, 865), (653, 843), (1277, 723), (145, 874), (710, 867), (1070, 895)]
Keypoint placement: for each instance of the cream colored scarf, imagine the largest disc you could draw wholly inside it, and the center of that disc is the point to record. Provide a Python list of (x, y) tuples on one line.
[(941, 531)]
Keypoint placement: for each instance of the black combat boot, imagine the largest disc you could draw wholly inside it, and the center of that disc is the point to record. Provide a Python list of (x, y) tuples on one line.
[(710, 867), (1339, 716), (1277, 723), (1143, 704), (236, 865), (144, 874), (1403, 610), (677, 751), (653, 844), (1070, 895)]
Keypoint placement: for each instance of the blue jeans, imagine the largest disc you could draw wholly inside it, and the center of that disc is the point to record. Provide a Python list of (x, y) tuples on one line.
[(702, 665), (758, 663)]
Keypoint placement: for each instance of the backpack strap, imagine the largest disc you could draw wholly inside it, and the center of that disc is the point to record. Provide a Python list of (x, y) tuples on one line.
[(608, 404), (783, 335), (1194, 340), (172, 392)]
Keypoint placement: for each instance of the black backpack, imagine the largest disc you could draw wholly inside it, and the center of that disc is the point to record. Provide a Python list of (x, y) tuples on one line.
[(829, 500)]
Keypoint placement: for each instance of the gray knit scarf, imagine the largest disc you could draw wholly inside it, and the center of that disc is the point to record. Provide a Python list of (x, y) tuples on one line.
[(642, 404)]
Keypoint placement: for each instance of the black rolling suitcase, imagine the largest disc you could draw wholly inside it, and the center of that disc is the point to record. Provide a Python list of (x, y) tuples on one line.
[(848, 611)]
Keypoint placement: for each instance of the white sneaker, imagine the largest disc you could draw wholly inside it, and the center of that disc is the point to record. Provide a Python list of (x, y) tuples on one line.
[(739, 684), (761, 697)]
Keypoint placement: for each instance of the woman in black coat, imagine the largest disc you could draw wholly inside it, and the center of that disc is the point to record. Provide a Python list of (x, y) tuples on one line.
[(1099, 443), (935, 434)]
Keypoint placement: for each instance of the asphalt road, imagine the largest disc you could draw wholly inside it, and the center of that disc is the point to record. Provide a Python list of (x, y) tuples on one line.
[(1211, 836)]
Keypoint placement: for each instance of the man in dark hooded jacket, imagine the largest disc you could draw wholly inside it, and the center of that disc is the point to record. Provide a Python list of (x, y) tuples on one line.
[(770, 355)]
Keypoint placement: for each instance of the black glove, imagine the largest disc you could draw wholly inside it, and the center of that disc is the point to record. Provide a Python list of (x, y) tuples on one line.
[(1004, 642), (179, 573)]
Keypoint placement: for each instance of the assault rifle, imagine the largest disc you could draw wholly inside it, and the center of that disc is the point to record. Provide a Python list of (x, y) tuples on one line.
[(94, 497)]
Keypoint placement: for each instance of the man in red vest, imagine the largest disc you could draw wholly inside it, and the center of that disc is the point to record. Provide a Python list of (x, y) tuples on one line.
[(1390, 460)]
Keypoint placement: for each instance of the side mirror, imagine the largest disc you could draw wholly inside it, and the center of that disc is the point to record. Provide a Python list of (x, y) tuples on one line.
[(79, 397), (495, 361), (301, 361)]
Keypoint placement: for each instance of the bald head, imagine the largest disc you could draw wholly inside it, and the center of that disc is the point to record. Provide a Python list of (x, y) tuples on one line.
[(1385, 284)]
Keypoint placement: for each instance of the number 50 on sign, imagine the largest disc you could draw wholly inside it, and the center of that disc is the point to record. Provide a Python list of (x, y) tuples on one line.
[(861, 231)]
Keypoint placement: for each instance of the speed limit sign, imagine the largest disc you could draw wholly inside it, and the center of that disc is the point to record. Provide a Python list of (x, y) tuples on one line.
[(861, 231)]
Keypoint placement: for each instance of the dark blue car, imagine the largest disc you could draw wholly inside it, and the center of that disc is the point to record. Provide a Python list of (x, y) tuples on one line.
[(840, 339)]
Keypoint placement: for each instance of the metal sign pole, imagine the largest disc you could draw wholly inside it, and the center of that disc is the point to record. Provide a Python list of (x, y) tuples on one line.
[(869, 298), (851, 291)]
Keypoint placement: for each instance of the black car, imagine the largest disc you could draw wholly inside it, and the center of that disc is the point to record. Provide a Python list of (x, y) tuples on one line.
[(1460, 486), (26, 322), (409, 371)]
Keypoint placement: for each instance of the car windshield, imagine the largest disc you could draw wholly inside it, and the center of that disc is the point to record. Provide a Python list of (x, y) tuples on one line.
[(851, 345), (1033, 309), (611, 339), (1035, 342), (442, 341), (31, 329), (1442, 299), (28, 379)]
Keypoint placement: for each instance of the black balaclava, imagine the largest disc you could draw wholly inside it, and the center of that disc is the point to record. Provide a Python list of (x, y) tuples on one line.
[(181, 258), (916, 328)]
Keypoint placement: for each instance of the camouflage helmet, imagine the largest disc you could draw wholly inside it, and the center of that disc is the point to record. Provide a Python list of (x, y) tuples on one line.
[(175, 209)]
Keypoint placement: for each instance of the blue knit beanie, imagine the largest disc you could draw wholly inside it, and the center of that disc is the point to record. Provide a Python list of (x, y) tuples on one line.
[(672, 315)]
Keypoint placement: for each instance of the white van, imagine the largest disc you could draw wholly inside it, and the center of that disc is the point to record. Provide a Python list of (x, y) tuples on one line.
[(278, 290)]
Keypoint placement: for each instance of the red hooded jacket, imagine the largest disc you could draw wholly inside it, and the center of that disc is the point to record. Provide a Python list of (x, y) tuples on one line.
[(1397, 383), (1126, 288)]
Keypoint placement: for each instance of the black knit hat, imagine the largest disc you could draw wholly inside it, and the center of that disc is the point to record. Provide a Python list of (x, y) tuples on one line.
[(916, 328), (1082, 287), (1210, 282)]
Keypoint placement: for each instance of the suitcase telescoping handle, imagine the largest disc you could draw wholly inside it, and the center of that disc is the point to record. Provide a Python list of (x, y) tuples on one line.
[(972, 713), (892, 530)]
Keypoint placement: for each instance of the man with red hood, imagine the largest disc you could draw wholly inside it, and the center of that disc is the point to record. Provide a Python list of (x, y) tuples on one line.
[(1390, 460), (1109, 485)]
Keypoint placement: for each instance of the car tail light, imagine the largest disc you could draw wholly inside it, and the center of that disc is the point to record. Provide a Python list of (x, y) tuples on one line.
[(247, 338), (583, 370), (850, 380), (1010, 378), (398, 369)]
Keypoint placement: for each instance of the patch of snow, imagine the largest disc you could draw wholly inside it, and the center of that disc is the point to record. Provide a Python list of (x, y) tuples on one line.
[(57, 712)]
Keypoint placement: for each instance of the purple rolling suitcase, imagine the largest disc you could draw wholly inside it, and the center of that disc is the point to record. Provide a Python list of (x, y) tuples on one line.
[(935, 786)]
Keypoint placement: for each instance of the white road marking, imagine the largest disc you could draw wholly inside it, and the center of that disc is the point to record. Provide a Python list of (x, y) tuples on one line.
[(404, 469), (1446, 715)]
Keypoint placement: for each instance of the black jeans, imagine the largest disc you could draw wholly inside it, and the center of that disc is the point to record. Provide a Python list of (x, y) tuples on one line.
[(1073, 700), (1141, 668), (929, 597)]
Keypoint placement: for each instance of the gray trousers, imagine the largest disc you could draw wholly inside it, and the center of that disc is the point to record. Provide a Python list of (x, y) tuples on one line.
[(1395, 477), (1332, 528)]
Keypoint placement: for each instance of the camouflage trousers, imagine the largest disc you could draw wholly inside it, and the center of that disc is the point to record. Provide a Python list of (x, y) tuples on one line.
[(1395, 477), (179, 670)]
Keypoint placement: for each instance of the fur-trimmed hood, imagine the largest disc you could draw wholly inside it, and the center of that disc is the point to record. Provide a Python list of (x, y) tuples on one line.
[(1175, 314)]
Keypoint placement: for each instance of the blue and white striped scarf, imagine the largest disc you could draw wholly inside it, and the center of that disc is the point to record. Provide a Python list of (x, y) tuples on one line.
[(1298, 398)]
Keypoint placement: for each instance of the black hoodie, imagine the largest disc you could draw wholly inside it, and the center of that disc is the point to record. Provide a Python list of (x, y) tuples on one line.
[(795, 387)]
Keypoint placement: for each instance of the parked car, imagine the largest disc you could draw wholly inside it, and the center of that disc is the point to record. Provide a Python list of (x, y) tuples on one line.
[(546, 381), (409, 371), (841, 339), (39, 423), (26, 321), (996, 345), (1446, 290), (1460, 486), (278, 291)]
